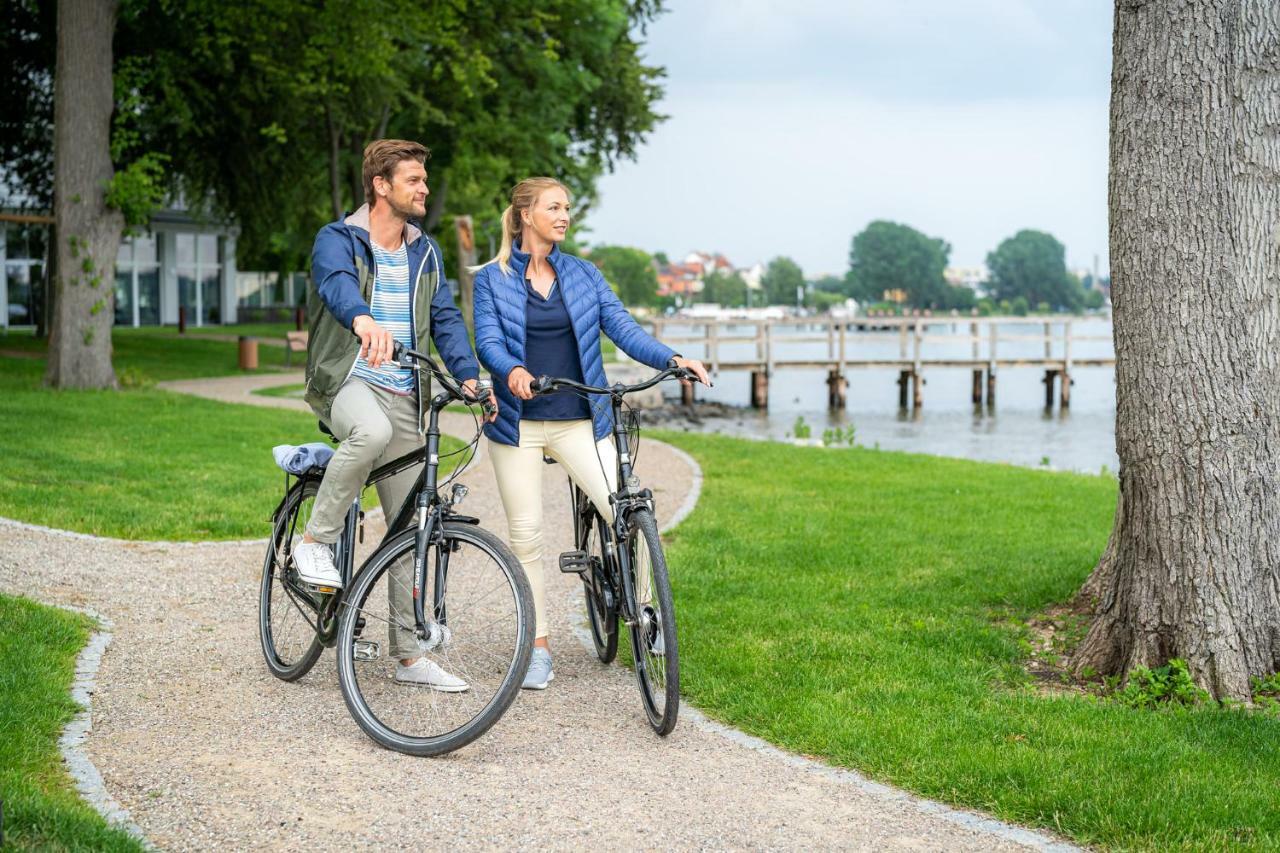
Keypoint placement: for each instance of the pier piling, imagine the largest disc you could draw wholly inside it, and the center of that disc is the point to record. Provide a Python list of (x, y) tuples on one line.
[(837, 389), (759, 389)]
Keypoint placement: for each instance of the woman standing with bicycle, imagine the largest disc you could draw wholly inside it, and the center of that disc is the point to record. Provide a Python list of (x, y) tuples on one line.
[(540, 311)]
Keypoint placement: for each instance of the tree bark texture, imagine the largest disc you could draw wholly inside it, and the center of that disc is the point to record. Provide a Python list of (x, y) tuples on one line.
[(1192, 570), (88, 232)]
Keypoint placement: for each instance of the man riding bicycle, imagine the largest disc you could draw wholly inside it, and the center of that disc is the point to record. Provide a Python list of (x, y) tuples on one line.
[(378, 277)]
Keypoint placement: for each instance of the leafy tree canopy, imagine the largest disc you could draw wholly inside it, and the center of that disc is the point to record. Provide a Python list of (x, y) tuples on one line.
[(1031, 265), (629, 272), (887, 256), (263, 107), (781, 279)]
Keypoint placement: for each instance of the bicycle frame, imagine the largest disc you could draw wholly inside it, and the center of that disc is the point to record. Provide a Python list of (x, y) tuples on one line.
[(422, 508)]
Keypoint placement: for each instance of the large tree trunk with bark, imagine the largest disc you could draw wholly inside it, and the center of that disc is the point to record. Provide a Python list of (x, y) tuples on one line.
[(1193, 567), (88, 232)]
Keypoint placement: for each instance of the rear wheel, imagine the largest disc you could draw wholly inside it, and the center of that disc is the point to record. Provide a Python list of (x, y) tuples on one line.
[(483, 636), (602, 612), (289, 614), (653, 636)]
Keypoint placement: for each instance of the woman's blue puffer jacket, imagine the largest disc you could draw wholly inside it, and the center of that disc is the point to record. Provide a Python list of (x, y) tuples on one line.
[(592, 305)]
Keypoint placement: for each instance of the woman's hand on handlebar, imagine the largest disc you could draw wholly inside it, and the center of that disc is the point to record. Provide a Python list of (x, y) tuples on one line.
[(519, 381), (696, 367)]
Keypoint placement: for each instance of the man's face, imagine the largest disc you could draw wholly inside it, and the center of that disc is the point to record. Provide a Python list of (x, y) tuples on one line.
[(407, 191)]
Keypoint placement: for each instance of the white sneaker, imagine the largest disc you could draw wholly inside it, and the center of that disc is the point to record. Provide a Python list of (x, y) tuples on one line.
[(425, 673), (315, 564)]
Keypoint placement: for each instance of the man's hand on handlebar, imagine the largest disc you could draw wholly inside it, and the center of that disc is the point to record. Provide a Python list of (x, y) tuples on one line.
[(696, 367), (487, 399), (376, 343), (519, 381)]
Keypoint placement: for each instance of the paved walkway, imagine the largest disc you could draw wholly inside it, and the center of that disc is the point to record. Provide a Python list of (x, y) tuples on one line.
[(204, 748)]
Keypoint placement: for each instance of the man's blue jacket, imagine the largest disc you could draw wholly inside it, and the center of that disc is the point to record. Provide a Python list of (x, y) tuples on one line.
[(343, 270), (592, 305)]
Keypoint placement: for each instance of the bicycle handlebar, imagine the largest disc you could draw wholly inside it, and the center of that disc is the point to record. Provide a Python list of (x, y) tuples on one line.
[(406, 357), (547, 384)]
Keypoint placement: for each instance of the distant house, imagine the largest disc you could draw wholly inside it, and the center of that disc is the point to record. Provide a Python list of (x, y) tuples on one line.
[(974, 278), (177, 262), (685, 279)]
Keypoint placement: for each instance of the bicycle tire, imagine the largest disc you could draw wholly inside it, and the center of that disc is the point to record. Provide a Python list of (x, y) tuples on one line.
[(282, 601), (657, 674), (355, 686), (589, 534)]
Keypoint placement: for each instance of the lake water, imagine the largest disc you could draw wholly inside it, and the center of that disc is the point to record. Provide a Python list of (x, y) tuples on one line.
[(1018, 430)]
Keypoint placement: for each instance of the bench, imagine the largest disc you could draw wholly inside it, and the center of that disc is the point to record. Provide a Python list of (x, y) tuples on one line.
[(294, 342)]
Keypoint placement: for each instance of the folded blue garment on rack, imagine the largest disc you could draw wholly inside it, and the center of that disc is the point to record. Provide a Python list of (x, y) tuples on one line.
[(301, 458)]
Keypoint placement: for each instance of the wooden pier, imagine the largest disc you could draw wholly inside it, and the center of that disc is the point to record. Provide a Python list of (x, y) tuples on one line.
[(844, 338)]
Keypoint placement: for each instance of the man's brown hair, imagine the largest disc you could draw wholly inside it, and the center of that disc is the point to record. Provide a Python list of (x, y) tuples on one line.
[(383, 155)]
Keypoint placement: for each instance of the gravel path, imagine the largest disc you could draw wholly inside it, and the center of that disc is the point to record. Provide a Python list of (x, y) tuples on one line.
[(204, 748)]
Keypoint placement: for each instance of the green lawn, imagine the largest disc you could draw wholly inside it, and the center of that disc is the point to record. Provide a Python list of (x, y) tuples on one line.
[(143, 463), (157, 354), (38, 649), (864, 607)]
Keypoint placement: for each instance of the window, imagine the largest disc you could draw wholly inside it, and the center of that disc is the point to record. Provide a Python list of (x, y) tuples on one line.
[(23, 270), (138, 282), (199, 278)]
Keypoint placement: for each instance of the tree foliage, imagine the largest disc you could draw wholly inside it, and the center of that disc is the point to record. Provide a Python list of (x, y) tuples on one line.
[(887, 256), (781, 280), (726, 289), (1032, 265), (629, 272), (263, 107)]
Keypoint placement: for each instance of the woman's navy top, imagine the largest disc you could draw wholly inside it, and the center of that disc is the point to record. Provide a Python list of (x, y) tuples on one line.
[(551, 350)]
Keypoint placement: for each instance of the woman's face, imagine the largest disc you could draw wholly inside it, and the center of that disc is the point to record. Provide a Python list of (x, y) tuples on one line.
[(548, 217)]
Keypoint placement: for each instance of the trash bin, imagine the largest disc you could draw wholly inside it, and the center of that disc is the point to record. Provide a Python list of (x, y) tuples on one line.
[(248, 353)]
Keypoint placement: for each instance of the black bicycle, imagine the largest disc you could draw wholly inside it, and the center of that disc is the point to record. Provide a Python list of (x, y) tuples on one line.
[(628, 582), (479, 624)]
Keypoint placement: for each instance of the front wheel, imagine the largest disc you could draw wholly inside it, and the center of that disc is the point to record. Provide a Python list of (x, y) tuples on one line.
[(653, 635), (481, 636)]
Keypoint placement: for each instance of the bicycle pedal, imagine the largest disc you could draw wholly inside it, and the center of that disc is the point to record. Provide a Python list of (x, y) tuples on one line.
[(366, 650), (574, 562), (323, 590)]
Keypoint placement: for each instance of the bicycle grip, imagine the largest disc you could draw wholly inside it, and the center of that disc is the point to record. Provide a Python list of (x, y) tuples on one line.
[(541, 384)]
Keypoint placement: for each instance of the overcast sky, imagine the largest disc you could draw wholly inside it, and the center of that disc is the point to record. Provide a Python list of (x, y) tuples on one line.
[(794, 124)]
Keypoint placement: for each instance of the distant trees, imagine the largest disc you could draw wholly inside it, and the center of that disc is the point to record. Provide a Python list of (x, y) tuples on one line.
[(629, 272), (725, 289), (1032, 265), (888, 260), (782, 278)]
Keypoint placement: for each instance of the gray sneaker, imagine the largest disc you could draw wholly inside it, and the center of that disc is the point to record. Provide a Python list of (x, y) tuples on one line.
[(539, 674)]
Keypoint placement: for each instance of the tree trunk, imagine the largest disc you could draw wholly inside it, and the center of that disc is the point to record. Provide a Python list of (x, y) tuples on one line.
[(88, 232), (1193, 567)]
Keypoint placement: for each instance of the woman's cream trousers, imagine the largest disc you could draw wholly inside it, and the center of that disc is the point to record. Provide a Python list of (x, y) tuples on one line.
[(591, 464)]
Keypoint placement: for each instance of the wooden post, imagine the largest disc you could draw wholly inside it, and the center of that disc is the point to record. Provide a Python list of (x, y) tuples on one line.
[(1048, 387), (713, 343), (917, 390), (759, 389), (686, 393), (977, 386), (1064, 390), (917, 381), (837, 387), (904, 377), (991, 387), (299, 314), (182, 319), (991, 363), (466, 260)]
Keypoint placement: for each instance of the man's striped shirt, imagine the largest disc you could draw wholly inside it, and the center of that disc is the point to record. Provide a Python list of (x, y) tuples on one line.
[(390, 307)]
